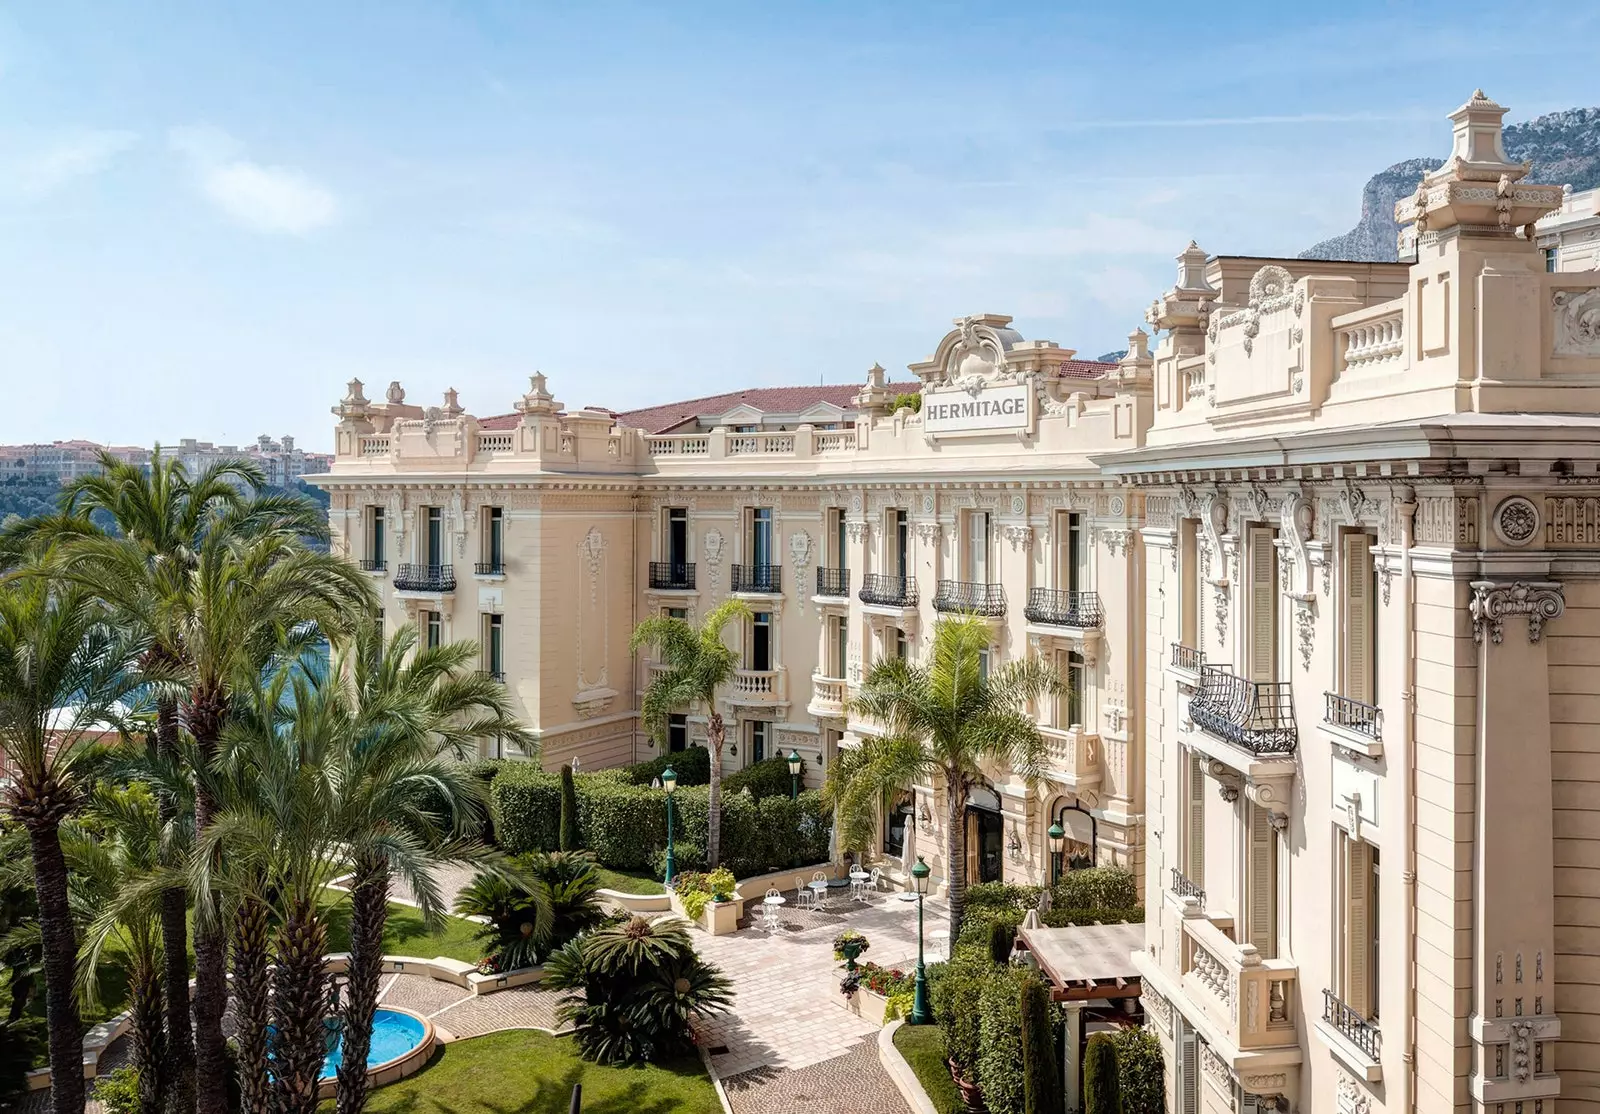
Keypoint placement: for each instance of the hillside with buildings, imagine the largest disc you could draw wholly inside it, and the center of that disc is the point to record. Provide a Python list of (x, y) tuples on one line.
[(1564, 148)]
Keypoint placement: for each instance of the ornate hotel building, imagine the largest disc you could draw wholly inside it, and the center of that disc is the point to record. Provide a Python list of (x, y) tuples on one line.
[(1324, 569)]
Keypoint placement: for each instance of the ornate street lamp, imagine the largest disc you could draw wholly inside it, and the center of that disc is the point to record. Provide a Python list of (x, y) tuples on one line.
[(920, 1013), (1058, 841), (794, 775), (669, 782)]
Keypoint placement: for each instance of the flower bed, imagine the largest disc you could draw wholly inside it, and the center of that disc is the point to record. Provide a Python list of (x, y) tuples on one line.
[(710, 901)]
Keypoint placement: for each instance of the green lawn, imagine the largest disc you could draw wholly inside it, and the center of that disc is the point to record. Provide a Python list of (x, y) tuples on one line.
[(524, 1072), (405, 934), (923, 1048), (629, 883)]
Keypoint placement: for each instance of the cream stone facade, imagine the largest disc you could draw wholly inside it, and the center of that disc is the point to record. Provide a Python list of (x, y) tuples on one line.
[(847, 528), (1324, 568)]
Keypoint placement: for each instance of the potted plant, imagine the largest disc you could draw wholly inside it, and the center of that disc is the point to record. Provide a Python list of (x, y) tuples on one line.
[(848, 946)]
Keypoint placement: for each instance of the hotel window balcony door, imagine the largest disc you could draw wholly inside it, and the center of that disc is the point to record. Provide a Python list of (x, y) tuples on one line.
[(676, 613), (761, 545), (1189, 583), (900, 560), (902, 644), (838, 540), (1360, 657), (985, 835), (1070, 704), (494, 646), (677, 732), (433, 537), (758, 736), (759, 658), (1193, 821), (377, 540), (1356, 955), (1263, 604), (492, 555), (433, 628), (1073, 573), (978, 547), (895, 823), (677, 553), (838, 645), (1261, 880)]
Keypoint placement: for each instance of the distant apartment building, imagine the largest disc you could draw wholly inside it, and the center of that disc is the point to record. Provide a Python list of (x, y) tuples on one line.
[(62, 460), (283, 462), (1569, 238)]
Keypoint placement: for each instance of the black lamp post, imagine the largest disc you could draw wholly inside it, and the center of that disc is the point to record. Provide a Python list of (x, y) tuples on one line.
[(669, 782), (794, 775), (920, 1013), (1058, 840)]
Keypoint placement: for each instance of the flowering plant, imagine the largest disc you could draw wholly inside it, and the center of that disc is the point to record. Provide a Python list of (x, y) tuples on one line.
[(887, 981), (849, 937), (489, 965)]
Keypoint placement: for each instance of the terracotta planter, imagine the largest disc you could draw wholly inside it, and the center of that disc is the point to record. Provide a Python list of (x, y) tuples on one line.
[(971, 1095)]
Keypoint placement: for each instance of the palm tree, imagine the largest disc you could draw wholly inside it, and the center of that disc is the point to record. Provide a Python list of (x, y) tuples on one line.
[(120, 866), (947, 716), (63, 676), (697, 664)]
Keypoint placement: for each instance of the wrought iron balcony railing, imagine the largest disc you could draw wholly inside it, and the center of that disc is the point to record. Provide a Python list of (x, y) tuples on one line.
[(1185, 888), (1187, 657), (766, 579), (490, 568), (1255, 715), (425, 578), (969, 597), (833, 582), (1356, 1029), (672, 575), (369, 565), (1353, 715), (888, 591), (1064, 609), (496, 675)]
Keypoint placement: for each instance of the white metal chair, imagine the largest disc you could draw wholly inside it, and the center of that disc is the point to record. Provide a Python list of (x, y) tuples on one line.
[(772, 911), (877, 880), (804, 896)]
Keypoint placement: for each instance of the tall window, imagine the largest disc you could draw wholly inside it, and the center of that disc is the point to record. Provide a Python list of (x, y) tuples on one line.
[(1194, 850), (433, 536), (978, 547), (984, 663), (677, 731), (838, 539), (1075, 574), (1261, 882), (761, 536), (1189, 586), (1069, 709), (1551, 258), (494, 526), (761, 642), (678, 536), (1263, 604), (894, 828), (375, 537), (433, 625), (1356, 963), (759, 731), (494, 645), (902, 645), (840, 648), (902, 543), (1360, 645)]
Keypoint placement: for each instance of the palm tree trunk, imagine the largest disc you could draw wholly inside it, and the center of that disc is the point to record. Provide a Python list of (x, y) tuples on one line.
[(211, 1064), (369, 909), (177, 1064), (955, 838), (145, 1031), (299, 1008), (714, 737), (42, 817), (251, 985)]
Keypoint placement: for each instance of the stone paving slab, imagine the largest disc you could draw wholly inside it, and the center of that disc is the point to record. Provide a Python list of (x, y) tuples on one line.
[(523, 1007), (851, 1083), (422, 994)]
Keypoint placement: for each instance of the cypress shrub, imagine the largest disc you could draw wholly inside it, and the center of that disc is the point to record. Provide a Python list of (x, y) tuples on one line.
[(1140, 1072), (527, 808), (1002, 938), (1102, 1093), (1041, 1076), (956, 991), (1000, 1033), (569, 811)]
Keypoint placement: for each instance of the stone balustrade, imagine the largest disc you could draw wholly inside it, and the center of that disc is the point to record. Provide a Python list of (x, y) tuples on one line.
[(1072, 756), (377, 445), (499, 441), (1249, 998), (828, 696), (758, 685), (1371, 337)]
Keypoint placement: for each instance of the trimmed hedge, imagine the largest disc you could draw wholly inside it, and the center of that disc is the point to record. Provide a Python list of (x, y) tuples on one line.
[(625, 824), (1140, 1073), (768, 778), (957, 987), (1096, 887), (1000, 1030), (692, 765)]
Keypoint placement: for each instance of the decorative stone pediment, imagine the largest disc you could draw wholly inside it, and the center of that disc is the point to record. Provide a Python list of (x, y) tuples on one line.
[(973, 354)]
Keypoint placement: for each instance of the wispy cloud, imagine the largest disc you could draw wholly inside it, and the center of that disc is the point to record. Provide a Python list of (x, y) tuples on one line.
[(262, 198), (81, 155)]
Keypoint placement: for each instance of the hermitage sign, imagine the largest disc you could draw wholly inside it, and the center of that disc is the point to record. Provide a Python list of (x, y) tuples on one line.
[(990, 408)]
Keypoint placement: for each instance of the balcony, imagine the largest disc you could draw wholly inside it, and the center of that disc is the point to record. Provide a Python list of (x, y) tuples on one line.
[(879, 590), (1257, 716), (1350, 1025), (970, 598), (496, 675), (369, 565), (833, 583), (433, 579), (489, 568), (828, 696), (1248, 1000), (758, 580), (1072, 758), (1053, 608), (758, 687), (1353, 725), (1181, 887), (1185, 664), (672, 576)]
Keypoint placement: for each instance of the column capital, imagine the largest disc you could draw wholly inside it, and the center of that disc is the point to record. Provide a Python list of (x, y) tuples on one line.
[(1492, 601)]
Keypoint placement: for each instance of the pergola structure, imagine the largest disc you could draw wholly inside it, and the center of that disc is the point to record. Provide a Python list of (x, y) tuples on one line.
[(1089, 969)]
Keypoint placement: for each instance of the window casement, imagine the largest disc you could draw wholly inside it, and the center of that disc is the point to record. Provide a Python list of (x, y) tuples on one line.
[(760, 656), (1360, 644), (838, 539), (676, 613), (677, 539), (902, 645), (1188, 1070), (1189, 583), (1261, 881), (899, 559), (494, 645), (377, 539), (761, 551), (433, 628), (677, 732), (979, 539), (894, 827), (839, 645), (758, 734), (1194, 841), (433, 536), (1356, 960), (1074, 571), (1069, 705), (1263, 604), (984, 665)]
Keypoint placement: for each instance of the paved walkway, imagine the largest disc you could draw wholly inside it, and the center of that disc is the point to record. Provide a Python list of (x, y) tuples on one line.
[(789, 1044), (461, 1014)]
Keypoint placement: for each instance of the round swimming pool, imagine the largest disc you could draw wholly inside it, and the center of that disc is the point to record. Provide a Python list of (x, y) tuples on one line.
[(393, 1035)]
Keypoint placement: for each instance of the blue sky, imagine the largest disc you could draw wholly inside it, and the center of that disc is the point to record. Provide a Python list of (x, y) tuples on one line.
[(212, 216)]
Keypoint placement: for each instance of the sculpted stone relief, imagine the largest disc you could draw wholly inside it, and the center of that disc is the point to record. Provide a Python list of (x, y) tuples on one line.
[(1577, 322)]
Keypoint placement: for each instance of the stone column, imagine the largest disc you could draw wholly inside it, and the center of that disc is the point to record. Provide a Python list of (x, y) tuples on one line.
[(1072, 1058), (1514, 888)]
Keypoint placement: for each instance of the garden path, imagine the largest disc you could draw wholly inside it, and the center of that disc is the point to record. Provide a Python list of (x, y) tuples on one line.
[(788, 1043)]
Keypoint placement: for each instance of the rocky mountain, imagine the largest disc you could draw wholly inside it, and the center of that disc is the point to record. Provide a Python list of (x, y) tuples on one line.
[(1563, 146)]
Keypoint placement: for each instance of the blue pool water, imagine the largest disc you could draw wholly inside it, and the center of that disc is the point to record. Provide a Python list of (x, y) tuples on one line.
[(393, 1034)]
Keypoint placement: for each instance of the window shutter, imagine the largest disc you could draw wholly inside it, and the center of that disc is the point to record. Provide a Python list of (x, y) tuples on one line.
[(1189, 1074), (1357, 931), (1263, 606), (1196, 869), (1263, 883), (1358, 618)]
